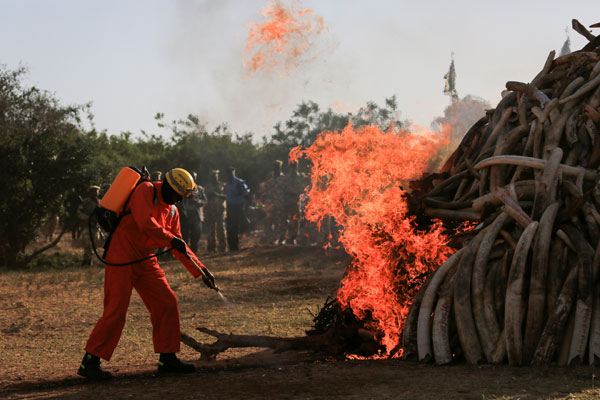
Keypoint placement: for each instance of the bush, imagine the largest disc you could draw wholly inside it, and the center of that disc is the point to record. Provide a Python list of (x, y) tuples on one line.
[(55, 260)]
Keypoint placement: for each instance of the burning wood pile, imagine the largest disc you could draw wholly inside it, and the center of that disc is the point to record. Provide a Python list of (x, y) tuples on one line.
[(523, 287)]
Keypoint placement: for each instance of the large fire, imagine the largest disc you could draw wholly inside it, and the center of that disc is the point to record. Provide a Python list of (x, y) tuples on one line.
[(358, 177), (282, 38)]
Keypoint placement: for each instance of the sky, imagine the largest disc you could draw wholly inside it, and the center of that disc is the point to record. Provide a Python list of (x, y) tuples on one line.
[(132, 59)]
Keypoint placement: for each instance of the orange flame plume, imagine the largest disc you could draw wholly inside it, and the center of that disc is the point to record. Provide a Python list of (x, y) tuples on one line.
[(358, 178), (280, 40)]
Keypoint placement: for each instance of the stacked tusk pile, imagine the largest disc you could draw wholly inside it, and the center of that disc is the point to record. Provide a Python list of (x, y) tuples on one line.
[(524, 288)]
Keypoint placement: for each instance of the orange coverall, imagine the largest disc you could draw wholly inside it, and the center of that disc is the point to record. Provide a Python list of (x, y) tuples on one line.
[(151, 224)]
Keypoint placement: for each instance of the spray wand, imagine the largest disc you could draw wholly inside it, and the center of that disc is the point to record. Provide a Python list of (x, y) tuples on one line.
[(208, 281)]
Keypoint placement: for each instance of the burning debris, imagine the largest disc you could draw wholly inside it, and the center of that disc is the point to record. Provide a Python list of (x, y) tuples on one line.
[(524, 287), (357, 178), (282, 38)]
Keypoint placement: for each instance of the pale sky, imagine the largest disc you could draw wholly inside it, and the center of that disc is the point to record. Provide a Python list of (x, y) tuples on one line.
[(132, 59)]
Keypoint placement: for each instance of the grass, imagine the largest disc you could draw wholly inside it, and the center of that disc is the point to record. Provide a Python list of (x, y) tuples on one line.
[(49, 311)]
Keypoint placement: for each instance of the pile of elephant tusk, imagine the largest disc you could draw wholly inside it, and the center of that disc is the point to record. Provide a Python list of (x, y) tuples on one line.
[(523, 289)]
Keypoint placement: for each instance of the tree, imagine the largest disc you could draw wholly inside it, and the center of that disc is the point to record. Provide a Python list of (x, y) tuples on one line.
[(308, 121), (383, 117), (43, 155), (113, 152), (194, 148)]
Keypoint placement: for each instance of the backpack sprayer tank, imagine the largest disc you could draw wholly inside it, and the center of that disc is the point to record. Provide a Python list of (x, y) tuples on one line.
[(111, 205)]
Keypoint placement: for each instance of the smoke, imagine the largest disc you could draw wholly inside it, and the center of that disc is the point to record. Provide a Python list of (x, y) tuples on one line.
[(209, 70), (460, 115)]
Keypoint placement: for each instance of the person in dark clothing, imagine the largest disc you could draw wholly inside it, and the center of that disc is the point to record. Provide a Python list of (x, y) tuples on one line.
[(71, 220), (214, 213), (193, 209), (237, 193)]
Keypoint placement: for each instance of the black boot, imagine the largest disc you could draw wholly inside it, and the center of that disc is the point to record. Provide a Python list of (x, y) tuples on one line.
[(90, 368), (168, 363)]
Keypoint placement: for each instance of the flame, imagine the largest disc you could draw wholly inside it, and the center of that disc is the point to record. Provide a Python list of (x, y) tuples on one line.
[(285, 34), (358, 177)]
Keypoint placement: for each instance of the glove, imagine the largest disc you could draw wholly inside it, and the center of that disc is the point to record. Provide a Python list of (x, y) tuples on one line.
[(179, 245), (208, 278)]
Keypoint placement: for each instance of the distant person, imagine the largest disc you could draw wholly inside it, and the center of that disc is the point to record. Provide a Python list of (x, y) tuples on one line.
[(85, 209), (271, 195), (183, 225), (214, 212), (156, 176), (194, 213), (150, 221), (293, 187), (71, 220), (237, 193), (49, 227)]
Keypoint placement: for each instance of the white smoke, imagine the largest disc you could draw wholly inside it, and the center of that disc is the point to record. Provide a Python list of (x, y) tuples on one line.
[(221, 89), (461, 114)]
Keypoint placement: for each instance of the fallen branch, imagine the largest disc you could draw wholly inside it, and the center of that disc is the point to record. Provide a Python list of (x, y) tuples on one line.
[(227, 341)]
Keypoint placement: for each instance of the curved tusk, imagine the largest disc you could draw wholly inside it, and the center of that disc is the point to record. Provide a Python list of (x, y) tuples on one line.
[(534, 163), (424, 320)]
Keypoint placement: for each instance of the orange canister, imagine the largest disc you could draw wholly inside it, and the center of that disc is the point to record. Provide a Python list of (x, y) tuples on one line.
[(119, 191)]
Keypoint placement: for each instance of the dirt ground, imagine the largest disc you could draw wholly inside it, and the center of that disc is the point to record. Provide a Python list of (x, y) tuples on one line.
[(47, 315)]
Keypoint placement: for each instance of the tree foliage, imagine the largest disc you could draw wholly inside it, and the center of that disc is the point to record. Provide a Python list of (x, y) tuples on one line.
[(42, 155), (47, 156), (308, 121)]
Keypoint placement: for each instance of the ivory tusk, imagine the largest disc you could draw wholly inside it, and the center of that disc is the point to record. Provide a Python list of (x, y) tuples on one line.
[(534, 163)]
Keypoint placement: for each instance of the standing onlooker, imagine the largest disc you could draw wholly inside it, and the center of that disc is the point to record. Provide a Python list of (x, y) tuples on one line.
[(194, 215), (71, 221), (183, 225), (293, 187), (271, 195), (85, 209), (214, 213), (237, 192), (156, 176)]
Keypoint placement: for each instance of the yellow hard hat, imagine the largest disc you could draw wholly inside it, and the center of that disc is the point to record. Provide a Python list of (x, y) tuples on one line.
[(181, 181)]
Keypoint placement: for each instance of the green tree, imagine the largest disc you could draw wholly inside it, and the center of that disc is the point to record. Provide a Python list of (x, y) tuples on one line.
[(384, 117), (194, 148), (43, 155), (304, 126), (308, 121), (110, 153)]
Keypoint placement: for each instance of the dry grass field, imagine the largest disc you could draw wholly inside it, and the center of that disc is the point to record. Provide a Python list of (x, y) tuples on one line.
[(46, 315)]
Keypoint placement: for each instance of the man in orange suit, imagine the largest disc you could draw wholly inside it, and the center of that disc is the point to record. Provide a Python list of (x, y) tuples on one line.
[(151, 221)]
